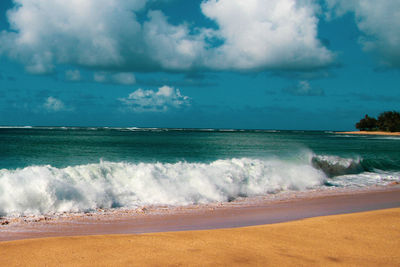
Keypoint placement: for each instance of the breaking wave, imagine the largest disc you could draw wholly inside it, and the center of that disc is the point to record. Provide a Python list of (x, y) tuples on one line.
[(46, 189)]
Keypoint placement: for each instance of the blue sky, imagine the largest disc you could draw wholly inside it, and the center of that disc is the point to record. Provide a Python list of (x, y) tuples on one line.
[(266, 64)]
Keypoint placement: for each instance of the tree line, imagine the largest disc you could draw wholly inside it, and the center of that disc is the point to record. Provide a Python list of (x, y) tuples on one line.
[(388, 121)]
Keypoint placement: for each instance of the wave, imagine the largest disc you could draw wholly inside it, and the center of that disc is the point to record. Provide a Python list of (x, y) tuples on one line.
[(45, 189), (397, 138), (16, 127), (335, 166), (364, 179)]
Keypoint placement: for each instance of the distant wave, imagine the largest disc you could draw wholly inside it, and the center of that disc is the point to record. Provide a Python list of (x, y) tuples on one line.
[(135, 129), (335, 166), (397, 138), (16, 127)]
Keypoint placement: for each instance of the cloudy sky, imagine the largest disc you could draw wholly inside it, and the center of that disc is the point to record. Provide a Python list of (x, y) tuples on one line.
[(270, 64)]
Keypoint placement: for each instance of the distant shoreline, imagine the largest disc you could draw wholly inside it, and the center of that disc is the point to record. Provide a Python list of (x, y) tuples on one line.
[(371, 133)]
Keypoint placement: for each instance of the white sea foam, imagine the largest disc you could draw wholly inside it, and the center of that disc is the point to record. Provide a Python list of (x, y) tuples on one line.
[(16, 127), (365, 179), (46, 189)]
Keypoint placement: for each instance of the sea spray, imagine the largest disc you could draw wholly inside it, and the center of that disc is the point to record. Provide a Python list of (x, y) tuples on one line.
[(335, 166), (46, 189)]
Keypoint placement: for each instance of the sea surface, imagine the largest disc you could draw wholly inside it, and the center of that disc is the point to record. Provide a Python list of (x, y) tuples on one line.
[(48, 170)]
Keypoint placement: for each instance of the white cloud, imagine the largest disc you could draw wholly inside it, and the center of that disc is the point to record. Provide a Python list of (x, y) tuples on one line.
[(164, 99), (379, 21), (173, 47), (303, 88), (266, 34), (87, 33), (124, 78), (53, 104), (105, 34), (73, 75)]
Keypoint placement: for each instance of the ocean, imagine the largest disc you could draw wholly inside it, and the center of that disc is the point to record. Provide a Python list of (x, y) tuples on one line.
[(50, 170)]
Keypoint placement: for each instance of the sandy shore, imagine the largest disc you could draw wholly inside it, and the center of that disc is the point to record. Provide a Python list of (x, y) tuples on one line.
[(258, 211), (202, 217), (371, 133), (359, 239)]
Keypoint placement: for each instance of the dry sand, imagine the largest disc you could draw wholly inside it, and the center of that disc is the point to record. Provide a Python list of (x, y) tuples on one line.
[(362, 239), (371, 133)]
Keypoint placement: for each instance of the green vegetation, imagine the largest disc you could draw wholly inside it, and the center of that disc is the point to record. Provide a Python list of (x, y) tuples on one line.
[(388, 121)]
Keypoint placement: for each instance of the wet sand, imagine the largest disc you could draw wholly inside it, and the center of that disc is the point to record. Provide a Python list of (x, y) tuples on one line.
[(228, 215), (371, 133), (358, 239)]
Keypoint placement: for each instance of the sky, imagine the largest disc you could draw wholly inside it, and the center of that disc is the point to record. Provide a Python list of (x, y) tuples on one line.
[(254, 64)]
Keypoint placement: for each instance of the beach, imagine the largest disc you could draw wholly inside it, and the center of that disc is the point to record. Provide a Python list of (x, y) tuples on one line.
[(371, 133), (126, 196), (199, 133), (247, 212), (359, 239), (301, 231)]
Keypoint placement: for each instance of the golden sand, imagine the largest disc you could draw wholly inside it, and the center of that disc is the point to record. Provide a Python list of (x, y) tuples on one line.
[(371, 133), (363, 239)]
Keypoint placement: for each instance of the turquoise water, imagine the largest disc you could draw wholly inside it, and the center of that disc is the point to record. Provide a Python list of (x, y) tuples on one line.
[(45, 170), (60, 147)]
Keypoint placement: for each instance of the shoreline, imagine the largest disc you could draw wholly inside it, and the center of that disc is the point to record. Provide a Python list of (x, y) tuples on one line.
[(357, 239), (258, 211), (370, 133)]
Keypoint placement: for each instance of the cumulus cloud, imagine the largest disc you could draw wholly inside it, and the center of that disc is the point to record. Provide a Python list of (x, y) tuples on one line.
[(266, 34), (73, 75), (303, 88), (164, 99), (378, 21), (173, 47), (87, 33), (106, 34), (53, 104)]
